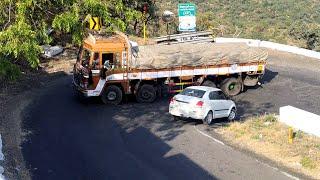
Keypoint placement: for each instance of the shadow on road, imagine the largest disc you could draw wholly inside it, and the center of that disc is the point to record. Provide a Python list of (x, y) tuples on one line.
[(70, 140), (268, 76)]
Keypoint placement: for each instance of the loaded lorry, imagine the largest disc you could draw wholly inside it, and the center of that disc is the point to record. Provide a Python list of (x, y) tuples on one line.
[(111, 66)]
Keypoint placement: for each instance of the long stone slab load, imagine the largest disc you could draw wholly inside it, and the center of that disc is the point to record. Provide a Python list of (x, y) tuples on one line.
[(204, 54)]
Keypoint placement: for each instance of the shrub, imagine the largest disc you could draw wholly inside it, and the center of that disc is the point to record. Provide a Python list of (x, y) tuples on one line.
[(8, 71), (307, 163)]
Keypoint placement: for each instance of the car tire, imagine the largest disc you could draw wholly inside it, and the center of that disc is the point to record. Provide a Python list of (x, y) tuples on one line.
[(146, 94), (231, 86), (112, 95), (232, 115), (209, 83), (176, 118), (209, 118)]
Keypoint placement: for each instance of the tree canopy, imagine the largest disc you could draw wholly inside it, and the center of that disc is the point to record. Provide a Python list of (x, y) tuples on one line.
[(24, 24)]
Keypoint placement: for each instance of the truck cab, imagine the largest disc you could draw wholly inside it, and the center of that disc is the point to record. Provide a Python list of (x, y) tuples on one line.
[(98, 57)]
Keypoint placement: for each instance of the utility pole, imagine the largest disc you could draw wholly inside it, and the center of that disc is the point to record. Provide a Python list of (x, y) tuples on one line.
[(168, 17)]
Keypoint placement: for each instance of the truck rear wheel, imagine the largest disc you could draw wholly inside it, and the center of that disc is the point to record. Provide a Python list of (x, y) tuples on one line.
[(146, 94), (112, 95), (208, 83), (231, 86)]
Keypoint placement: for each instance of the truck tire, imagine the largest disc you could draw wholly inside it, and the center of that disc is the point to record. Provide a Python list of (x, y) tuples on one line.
[(209, 83), (231, 86), (146, 94), (112, 95)]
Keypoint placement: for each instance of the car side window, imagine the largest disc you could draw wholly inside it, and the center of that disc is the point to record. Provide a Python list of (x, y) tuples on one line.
[(214, 95), (221, 95)]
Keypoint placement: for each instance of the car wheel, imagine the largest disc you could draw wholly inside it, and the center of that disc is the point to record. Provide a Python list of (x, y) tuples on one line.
[(176, 118), (112, 95), (231, 86), (208, 119), (232, 115)]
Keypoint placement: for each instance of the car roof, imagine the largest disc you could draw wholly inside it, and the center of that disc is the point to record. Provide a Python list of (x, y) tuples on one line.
[(204, 88)]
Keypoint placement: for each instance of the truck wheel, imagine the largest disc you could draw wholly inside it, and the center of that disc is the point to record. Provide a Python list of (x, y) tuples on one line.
[(209, 83), (146, 94), (231, 86), (112, 95)]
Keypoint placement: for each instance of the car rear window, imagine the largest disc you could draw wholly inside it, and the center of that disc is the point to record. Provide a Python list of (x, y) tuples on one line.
[(193, 92)]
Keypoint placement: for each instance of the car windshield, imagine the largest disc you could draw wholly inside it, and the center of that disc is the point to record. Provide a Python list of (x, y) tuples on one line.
[(193, 92)]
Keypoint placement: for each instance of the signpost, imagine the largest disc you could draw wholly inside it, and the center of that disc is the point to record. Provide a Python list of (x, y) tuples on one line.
[(187, 17), (95, 23), (145, 10)]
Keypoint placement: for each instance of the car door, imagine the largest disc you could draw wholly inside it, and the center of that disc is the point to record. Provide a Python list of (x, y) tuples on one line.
[(225, 104), (215, 104)]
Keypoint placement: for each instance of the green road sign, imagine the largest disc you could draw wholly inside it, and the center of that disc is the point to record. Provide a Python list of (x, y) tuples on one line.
[(187, 17), (187, 9)]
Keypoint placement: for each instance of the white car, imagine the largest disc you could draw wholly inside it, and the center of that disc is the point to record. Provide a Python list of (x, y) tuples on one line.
[(203, 103)]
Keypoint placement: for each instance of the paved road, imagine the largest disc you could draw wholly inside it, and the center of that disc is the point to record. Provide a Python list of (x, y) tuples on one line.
[(71, 140)]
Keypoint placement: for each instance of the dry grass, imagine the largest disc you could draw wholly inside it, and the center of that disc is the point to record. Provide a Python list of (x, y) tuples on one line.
[(140, 40), (266, 136)]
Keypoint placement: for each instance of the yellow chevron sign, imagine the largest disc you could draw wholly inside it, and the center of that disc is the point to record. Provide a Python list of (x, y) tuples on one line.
[(95, 23)]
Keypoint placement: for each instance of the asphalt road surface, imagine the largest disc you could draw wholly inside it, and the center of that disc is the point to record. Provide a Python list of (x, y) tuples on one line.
[(73, 140)]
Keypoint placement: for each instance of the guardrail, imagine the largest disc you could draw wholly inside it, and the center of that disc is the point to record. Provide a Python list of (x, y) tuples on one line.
[(271, 45), (191, 37), (1, 159), (184, 35), (205, 36), (300, 119)]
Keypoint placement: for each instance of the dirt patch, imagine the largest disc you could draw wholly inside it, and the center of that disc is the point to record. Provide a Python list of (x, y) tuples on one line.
[(62, 63), (268, 137)]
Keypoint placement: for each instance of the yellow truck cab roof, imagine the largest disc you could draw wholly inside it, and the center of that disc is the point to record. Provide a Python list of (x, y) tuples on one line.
[(105, 43)]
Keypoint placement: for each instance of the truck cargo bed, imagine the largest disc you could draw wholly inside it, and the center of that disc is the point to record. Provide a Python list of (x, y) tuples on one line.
[(177, 55)]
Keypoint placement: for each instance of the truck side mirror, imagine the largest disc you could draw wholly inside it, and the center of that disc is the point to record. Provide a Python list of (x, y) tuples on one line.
[(103, 73)]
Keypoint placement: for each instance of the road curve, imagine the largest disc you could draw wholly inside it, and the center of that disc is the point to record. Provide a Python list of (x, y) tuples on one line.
[(72, 140)]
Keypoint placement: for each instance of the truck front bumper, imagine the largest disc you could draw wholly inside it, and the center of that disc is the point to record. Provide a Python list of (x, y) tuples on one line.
[(79, 90)]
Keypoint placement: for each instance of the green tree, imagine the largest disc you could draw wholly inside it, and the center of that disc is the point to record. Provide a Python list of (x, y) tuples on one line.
[(24, 24)]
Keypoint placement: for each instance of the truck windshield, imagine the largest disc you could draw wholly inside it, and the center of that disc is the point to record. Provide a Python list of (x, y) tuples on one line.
[(193, 92)]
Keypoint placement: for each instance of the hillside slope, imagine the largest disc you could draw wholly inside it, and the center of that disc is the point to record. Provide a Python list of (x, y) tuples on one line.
[(288, 21)]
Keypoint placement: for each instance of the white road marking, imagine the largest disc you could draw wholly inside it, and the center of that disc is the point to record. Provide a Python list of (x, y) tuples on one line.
[(289, 175), (208, 136), (277, 169), (220, 142)]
